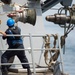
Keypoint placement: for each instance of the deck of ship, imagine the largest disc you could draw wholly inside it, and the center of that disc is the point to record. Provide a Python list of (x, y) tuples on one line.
[(24, 72), (40, 72), (10, 73)]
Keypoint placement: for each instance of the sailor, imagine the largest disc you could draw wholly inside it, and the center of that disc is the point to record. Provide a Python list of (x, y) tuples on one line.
[(14, 42)]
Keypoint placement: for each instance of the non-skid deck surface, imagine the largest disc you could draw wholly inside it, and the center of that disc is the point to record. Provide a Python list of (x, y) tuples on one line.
[(10, 73)]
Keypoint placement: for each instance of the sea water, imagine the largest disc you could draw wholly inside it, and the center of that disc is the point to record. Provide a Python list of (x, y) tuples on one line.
[(69, 56), (69, 61)]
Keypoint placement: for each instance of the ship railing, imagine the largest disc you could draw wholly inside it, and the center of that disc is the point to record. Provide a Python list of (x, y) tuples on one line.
[(32, 53)]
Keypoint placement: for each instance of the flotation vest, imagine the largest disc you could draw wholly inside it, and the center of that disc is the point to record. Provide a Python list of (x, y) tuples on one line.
[(13, 40)]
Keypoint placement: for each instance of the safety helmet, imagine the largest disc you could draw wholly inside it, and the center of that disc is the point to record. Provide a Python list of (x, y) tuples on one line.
[(10, 22)]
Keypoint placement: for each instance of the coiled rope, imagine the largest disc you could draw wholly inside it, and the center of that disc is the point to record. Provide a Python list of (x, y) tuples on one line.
[(52, 59)]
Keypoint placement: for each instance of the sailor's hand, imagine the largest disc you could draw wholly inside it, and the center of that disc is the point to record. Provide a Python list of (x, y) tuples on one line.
[(4, 34)]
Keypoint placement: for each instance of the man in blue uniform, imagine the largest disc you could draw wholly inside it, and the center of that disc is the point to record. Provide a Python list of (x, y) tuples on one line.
[(14, 42)]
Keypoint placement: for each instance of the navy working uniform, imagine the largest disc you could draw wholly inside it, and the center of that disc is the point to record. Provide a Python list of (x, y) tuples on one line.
[(14, 42)]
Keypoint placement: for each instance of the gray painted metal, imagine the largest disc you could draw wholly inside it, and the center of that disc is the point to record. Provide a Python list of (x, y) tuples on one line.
[(25, 28), (50, 3)]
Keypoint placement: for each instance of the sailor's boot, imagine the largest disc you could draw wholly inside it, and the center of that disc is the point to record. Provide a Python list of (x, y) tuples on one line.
[(29, 71), (4, 72)]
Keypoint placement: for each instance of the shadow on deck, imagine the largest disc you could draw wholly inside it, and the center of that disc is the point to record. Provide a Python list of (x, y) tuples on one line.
[(40, 72), (24, 72)]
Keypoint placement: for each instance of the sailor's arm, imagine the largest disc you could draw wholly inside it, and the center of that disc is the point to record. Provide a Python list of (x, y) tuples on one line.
[(4, 34)]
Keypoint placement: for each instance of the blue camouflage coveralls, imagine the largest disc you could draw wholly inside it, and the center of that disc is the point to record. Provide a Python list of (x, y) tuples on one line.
[(14, 42)]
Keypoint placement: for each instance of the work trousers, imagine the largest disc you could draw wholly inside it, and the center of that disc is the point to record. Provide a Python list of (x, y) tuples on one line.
[(19, 53)]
